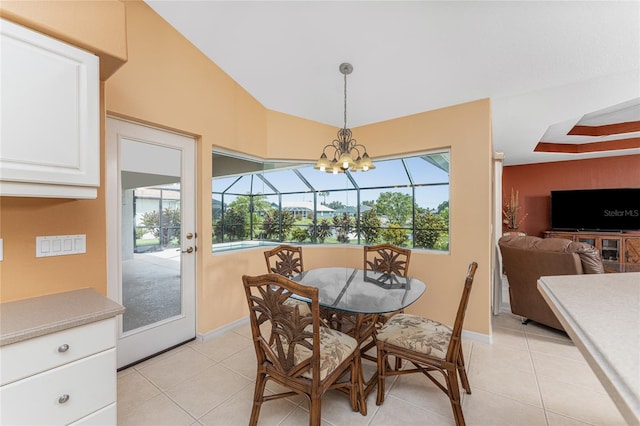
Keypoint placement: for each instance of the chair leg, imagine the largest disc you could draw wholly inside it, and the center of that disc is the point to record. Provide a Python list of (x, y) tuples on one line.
[(451, 378), (358, 402), (258, 394), (398, 363), (463, 372), (382, 372), (315, 410)]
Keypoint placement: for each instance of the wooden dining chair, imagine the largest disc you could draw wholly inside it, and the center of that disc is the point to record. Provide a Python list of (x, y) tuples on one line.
[(429, 346), (295, 350), (284, 260), (384, 258), (389, 259)]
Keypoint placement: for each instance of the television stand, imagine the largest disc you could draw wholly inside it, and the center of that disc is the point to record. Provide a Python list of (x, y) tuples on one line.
[(614, 246)]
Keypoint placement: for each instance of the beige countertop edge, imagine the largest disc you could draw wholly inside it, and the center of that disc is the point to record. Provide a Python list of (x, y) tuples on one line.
[(18, 336), (625, 398), (56, 312)]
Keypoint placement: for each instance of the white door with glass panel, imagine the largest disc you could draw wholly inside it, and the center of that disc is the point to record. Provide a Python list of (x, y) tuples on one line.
[(150, 187)]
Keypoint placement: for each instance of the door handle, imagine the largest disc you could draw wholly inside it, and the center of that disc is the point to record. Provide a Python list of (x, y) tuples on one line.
[(188, 250)]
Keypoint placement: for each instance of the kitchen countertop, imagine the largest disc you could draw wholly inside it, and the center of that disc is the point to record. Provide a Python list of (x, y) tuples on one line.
[(601, 314), (37, 316)]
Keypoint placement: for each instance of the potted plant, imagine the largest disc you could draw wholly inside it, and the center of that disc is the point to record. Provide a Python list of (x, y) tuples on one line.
[(510, 212)]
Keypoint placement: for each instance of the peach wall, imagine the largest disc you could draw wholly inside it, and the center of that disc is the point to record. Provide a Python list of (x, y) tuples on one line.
[(293, 138), (466, 129), (220, 297), (168, 83), (535, 182), (444, 274)]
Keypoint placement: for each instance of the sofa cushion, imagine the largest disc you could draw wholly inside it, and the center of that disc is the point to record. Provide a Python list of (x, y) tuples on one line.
[(589, 255)]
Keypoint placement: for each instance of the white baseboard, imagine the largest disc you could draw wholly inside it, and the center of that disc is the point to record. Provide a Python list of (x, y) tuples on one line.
[(477, 337), (218, 331), (471, 335)]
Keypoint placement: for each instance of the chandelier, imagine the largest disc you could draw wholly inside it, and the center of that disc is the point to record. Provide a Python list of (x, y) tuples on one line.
[(345, 152)]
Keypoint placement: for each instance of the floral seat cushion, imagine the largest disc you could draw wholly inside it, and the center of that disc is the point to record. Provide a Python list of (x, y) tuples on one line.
[(335, 347), (417, 334)]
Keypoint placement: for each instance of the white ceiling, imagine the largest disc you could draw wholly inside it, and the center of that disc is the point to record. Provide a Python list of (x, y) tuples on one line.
[(541, 63)]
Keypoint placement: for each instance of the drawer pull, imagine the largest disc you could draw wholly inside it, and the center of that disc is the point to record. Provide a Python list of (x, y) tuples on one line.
[(63, 348), (64, 398)]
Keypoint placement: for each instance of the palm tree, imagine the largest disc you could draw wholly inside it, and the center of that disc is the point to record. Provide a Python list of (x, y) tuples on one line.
[(324, 195)]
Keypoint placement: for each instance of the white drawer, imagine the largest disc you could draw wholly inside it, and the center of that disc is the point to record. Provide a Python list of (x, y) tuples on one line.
[(38, 400), (33, 356), (106, 416)]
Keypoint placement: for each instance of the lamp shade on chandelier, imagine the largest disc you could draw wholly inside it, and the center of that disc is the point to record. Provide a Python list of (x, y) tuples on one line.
[(344, 153)]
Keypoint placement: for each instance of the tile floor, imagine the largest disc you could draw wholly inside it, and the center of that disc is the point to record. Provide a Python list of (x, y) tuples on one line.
[(530, 375)]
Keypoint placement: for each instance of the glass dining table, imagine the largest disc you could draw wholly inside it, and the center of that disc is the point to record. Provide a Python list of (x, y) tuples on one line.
[(361, 291)]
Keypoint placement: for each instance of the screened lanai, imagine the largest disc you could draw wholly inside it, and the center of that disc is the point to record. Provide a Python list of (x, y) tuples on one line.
[(403, 201)]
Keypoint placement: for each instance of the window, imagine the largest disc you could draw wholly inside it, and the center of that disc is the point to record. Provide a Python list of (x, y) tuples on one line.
[(404, 201)]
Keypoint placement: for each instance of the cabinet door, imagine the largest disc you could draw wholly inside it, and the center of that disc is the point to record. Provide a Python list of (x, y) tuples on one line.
[(62, 395), (632, 250), (610, 248), (589, 240), (50, 116), (36, 355)]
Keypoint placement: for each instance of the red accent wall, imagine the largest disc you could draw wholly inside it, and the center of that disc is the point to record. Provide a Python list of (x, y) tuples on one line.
[(535, 182)]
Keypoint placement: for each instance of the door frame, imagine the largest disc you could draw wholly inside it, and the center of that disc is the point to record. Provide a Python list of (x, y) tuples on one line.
[(152, 342)]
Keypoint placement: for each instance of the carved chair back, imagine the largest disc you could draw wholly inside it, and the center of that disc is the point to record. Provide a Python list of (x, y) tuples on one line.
[(284, 260), (387, 258), (280, 332)]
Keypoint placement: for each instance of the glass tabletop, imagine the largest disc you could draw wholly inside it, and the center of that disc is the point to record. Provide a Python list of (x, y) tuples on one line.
[(361, 291), (615, 266)]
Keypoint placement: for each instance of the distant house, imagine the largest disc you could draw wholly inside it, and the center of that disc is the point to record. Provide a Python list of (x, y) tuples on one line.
[(305, 208), (351, 210)]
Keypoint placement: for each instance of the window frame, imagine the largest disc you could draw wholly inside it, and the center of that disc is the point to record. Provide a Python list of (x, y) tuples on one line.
[(355, 232)]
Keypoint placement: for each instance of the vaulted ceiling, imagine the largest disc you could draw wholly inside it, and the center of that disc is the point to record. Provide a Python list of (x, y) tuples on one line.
[(546, 66)]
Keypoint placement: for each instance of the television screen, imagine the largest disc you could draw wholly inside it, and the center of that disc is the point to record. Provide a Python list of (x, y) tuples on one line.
[(596, 209)]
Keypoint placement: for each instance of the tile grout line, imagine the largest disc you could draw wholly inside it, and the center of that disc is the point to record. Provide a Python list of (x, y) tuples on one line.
[(164, 393), (535, 375)]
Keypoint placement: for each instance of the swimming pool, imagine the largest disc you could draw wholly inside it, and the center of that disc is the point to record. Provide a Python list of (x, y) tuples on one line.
[(237, 245)]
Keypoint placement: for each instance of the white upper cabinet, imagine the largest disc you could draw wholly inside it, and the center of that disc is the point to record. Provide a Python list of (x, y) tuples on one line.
[(49, 116)]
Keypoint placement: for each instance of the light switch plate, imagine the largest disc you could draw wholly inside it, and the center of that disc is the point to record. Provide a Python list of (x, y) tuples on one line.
[(61, 245), (1, 250)]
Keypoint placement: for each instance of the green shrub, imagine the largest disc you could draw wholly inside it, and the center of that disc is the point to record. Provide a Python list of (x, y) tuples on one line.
[(299, 234)]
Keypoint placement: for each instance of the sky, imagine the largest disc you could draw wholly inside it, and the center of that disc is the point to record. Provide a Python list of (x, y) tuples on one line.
[(387, 173)]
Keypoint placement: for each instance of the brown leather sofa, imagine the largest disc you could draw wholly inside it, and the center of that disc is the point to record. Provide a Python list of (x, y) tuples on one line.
[(526, 258)]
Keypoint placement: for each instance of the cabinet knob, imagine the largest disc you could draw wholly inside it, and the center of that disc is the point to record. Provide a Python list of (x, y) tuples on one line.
[(63, 348), (63, 398)]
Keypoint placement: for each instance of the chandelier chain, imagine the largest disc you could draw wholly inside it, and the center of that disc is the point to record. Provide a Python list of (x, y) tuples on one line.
[(345, 100)]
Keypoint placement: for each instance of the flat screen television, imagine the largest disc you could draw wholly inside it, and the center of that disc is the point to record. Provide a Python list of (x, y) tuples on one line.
[(596, 209)]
